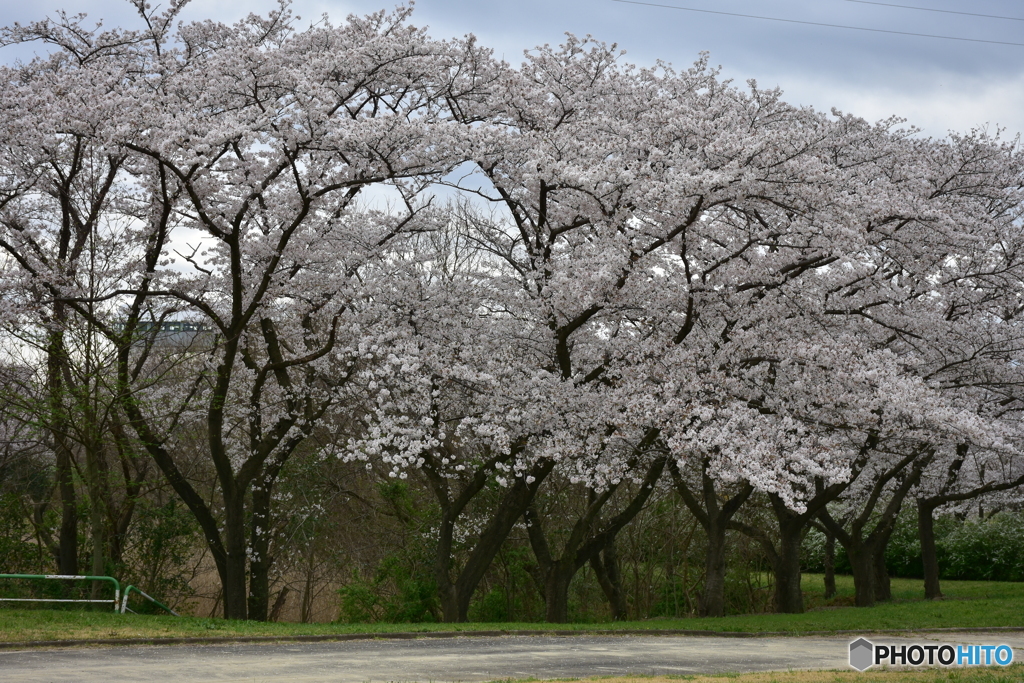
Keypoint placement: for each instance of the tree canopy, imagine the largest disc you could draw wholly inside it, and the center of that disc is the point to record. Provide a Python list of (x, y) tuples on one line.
[(401, 251)]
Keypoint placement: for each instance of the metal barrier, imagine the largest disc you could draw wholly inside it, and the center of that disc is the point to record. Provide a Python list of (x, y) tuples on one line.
[(115, 601), (130, 588)]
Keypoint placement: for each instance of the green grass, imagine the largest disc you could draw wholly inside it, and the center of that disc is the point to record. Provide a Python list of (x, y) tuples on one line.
[(967, 604), (912, 589)]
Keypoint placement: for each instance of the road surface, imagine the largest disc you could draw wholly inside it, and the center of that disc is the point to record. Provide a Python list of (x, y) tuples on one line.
[(447, 659)]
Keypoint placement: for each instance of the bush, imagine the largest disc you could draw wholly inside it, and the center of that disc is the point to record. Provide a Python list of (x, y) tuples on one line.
[(19, 553), (160, 545), (903, 556), (984, 550), (399, 586), (813, 554), (989, 549), (397, 593)]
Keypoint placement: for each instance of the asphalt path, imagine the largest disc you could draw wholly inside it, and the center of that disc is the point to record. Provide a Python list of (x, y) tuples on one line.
[(450, 659)]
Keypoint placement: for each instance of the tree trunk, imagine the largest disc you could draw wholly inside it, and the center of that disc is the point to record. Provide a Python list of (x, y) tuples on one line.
[(67, 543), (512, 507), (606, 569), (712, 599), (861, 554), (119, 531), (556, 592), (830, 566), (260, 562), (442, 569), (785, 558), (56, 362), (929, 556), (863, 566), (715, 519), (866, 550), (259, 590), (235, 561), (883, 586), (456, 595), (926, 509), (450, 605), (97, 476), (586, 541), (306, 607), (275, 612), (99, 547), (134, 469), (789, 599)]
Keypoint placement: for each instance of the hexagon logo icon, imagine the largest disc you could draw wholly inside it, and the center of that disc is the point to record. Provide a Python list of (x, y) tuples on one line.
[(861, 654)]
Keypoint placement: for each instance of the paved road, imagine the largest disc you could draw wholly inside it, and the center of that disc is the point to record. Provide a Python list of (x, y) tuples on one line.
[(449, 659)]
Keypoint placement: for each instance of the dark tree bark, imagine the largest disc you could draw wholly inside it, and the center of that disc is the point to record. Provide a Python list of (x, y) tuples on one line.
[(789, 599), (926, 510), (260, 536), (714, 515), (455, 593), (866, 548), (883, 586), (830, 565), (67, 543), (270, 447), (81, 183), (606, 568), (288, 384), (235, 557), (275, 612), (134, 472), (712, 599), (452, 505), (929, 556), (81, 178), (260, 563), (784, 556), (586, 540), (96, 476), (67, 540)]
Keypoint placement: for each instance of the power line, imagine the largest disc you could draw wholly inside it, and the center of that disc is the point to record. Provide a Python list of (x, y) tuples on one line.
[(814, 23), (930, 9)]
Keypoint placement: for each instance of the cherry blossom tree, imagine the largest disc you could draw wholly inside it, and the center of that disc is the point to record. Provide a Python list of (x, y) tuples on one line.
[(675, 273), (983, 475), (939, 314), (61, 250), (687, 247), (258, 138)]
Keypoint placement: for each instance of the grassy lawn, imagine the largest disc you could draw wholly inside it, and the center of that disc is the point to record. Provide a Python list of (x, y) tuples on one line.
[(1010, 674), (967, 604)]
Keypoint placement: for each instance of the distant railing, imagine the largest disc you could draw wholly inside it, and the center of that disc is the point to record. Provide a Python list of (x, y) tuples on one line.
[(66, 577), (130, 588), (120, 604)]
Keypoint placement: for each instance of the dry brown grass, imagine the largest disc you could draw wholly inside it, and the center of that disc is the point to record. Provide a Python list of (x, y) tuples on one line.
[(1010, 674)]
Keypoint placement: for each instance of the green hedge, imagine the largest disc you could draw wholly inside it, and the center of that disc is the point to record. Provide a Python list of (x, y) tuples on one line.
[(989, 549)]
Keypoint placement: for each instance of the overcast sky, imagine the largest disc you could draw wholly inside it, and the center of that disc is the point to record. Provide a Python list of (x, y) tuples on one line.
[(936, 84)]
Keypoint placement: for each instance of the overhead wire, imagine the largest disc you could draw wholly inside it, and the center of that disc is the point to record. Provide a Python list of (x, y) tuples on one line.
[(815, 23), (932, 9)]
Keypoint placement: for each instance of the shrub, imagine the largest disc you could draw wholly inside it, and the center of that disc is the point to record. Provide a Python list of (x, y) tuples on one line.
[(397, 593), (989, 549), (984, 550)]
